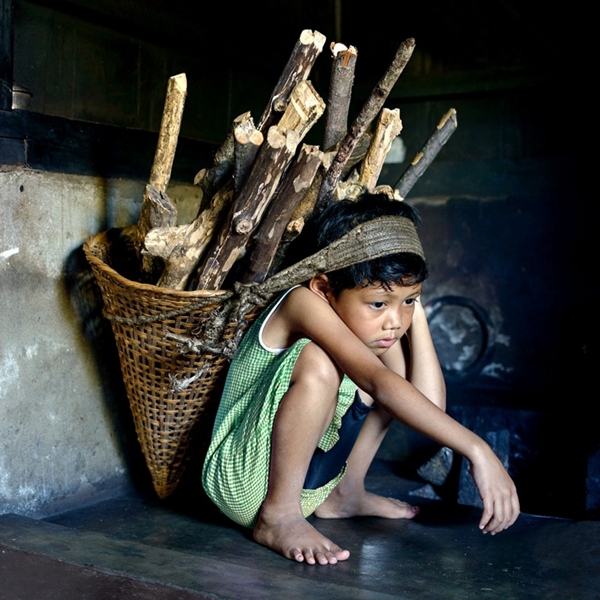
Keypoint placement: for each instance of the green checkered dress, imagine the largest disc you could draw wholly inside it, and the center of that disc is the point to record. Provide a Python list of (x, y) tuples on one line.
[(236, 469)]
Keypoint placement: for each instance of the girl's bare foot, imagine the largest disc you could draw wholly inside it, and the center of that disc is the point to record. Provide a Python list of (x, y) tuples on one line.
[(340, 505), (295, 538)]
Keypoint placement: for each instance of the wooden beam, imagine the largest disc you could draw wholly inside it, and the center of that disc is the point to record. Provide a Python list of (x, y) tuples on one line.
[(6, 53), (64, 145)]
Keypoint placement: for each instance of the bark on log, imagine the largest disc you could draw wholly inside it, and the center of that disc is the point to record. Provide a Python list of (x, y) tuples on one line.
[(213, 178), (307, 205), (358, 183), (340, 93), (246, 145), (305, 52), (352, 189), (158, 210), (271, 161), (388, 127), (304, 108), (389, 191), (153, 210), (349, 189), (162, 165), (303, 209), (267, 170), (368, 112), (266, 241), (170, 126), (181, 247), (428, 152)]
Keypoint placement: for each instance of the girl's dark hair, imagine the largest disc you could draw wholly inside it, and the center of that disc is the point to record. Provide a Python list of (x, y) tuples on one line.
[(338, 219)]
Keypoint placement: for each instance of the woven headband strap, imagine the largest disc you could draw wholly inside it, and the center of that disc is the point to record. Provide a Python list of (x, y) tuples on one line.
[(368, 241)]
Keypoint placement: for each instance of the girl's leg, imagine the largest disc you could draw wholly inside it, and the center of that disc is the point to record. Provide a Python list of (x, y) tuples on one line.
[(349, 498), (302, 418)]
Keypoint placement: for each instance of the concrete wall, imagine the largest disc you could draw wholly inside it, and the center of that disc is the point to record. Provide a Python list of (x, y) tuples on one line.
[(65, 433)]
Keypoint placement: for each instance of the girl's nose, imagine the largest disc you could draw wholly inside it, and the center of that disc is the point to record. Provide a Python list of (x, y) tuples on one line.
[(394, 320)]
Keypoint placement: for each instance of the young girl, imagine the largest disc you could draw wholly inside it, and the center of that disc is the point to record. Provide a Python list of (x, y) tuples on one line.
[(314, 387)]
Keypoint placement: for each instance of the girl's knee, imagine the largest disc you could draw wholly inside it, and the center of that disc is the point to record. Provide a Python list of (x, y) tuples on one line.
[(316, 370)]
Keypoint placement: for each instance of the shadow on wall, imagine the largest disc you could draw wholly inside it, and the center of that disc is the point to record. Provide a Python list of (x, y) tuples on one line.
[(86, 299)]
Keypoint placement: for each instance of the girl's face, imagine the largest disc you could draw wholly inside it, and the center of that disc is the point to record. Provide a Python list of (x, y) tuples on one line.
[(378, 316)]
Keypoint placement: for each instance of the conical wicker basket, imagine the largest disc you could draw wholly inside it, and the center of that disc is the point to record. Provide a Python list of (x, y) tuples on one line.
[(171, 393)]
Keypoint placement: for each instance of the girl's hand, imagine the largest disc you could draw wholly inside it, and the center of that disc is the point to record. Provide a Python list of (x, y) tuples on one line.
[(498, 493)]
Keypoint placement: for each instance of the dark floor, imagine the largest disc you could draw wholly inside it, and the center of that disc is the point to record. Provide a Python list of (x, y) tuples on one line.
[(136, 547)]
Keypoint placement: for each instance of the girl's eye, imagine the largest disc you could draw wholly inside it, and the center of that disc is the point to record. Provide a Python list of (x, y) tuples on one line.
[(377, 304), (410, 301)]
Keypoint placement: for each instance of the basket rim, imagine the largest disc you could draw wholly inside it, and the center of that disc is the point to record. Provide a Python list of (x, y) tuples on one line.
[(97, 238)]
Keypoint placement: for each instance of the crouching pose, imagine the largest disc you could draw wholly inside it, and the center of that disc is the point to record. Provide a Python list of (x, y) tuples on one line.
[(314, 387)]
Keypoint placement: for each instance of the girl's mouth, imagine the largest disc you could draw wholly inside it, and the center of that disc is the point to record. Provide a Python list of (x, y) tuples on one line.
[(385, 343)]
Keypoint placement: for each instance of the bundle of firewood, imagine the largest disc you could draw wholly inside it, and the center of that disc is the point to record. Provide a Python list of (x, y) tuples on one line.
[(264, 181)]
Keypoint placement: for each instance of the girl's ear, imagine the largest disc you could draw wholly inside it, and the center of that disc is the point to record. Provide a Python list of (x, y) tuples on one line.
[(319, 285)]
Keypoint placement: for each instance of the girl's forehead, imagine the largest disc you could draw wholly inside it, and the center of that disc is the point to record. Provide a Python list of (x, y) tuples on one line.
[(383, 289)]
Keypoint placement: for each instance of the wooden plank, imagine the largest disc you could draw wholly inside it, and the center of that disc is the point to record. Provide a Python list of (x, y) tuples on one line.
[(12, 152), (66, 146), (6, 53)]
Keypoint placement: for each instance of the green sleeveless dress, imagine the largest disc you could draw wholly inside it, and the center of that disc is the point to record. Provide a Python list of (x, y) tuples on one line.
[(236, 469)]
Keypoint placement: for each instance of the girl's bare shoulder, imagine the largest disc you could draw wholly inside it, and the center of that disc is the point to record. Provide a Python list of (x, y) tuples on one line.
[(285, 325), (302, 304)]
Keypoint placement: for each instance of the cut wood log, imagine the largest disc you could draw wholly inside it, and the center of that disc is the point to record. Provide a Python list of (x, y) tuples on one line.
[(213, 178), (349, 189), (246, 144), (357, 183), (271, 161), (158, 210), (305, 52), (352, 189), (168, 136), (304, 108), (428, 152), (154, 206), (266, 241), (267, 170), (340, 93), (306, 206), (181, 247), (388, 190), (366, 115), (388, 127)]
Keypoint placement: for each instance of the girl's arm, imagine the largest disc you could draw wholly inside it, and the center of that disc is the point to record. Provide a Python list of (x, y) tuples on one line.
[(425, 372), (420, 365)]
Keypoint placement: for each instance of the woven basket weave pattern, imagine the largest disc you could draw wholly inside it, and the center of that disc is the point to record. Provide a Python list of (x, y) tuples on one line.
[(166, 420)]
